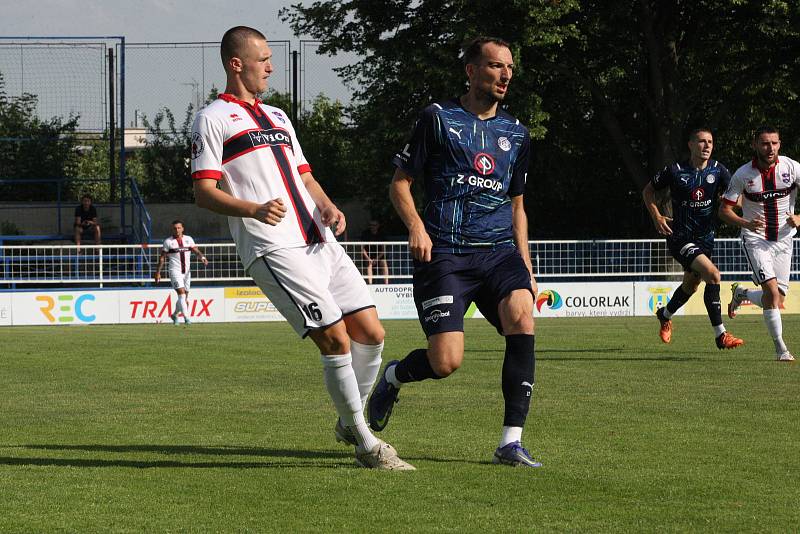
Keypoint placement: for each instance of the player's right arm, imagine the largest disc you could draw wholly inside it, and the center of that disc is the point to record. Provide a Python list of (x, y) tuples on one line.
[(207, 196), (208, 136), (419, 242), (731, 199), (161, 260), (661, 222)]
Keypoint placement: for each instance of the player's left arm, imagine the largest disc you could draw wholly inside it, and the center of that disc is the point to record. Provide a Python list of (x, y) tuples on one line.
[(331, 215), (203, 258), (519, 222)]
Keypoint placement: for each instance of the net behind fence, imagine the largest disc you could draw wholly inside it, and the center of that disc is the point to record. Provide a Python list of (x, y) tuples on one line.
[(554, 261), (69, 77), (174, 75)]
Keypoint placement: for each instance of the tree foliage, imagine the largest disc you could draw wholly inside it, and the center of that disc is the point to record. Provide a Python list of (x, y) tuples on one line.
[(609, 88), (33, 148)]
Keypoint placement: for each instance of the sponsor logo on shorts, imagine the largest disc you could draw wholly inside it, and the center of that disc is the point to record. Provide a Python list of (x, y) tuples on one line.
[(443, 299), (435, 315), (688, 249)]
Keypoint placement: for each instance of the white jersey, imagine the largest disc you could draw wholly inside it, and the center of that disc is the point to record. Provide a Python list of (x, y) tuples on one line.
[(178, 251), (254, 151), (770, 194)]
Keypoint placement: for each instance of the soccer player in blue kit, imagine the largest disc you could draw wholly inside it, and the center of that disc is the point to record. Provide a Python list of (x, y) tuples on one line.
[(690, 238), (472, 159)]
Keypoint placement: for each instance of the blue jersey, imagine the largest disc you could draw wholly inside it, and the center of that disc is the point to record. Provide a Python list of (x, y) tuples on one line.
[(470, 169), (693, 193)]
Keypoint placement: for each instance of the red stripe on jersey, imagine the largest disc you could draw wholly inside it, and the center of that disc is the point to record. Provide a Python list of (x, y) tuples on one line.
[(181, 254), (729, 202), (213, 175), (772, 224)]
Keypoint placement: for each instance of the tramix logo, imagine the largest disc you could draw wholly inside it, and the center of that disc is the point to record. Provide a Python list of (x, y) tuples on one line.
[(550, 298)]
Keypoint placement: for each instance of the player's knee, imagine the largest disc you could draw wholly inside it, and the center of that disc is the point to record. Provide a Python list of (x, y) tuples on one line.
[(374, 335), (713, 276), (331, 340), (445, 367)]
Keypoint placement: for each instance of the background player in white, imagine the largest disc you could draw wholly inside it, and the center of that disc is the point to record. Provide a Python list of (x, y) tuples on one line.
[(281, 220), (768, 187), (177, 250)]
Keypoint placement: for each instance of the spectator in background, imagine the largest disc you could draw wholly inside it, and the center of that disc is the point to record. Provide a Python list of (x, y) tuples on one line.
[(86, 224), (374, 255)]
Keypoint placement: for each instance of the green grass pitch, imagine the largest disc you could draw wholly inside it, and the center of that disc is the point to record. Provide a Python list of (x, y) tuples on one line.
[(227, 427)]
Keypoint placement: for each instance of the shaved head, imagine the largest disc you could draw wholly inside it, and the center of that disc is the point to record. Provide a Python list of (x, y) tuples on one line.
[(234, 42)]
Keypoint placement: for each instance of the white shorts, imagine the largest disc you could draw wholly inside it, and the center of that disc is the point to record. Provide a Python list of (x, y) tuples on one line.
[(312, 287), (180, 280), (768, 260)]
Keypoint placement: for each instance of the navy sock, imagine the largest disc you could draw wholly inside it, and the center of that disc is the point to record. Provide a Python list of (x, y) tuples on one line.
[(713, 305), (415, 367), (677, 300), (519, 368)]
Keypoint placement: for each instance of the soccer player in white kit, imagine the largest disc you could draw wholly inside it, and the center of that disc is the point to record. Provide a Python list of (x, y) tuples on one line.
[(176, 250), (768, 187), (281, 220)]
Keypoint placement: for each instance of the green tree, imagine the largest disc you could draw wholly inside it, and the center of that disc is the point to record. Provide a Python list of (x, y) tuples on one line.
[(165, 159), (33, 148), (609, 88)]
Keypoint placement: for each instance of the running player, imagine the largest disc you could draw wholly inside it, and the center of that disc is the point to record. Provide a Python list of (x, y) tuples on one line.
[(472, 159), (281, 220), (693, 185), (768, 187), (177, 249)]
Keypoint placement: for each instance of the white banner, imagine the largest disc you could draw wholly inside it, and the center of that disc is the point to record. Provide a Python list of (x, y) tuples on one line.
[(156, 305), (585, 300), (5, 309), (394, 301), (64, 307)]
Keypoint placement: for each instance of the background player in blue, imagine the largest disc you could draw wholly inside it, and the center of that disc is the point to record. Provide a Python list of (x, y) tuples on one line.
[(694, 185), (472, 159)]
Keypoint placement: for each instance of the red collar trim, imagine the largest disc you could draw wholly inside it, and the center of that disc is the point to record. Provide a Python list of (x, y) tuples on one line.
[(227, 97)]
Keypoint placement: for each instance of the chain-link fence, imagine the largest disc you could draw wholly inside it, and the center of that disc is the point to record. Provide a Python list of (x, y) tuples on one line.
[(175, 75)]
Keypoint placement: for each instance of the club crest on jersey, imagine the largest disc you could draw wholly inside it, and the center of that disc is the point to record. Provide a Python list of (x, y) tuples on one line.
[(504, 144), (786, 178), (484, 163), (279, 116), (710, 178), (197, 145)]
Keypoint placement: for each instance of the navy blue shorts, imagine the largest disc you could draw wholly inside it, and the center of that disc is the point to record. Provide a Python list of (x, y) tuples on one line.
[(685, 251), (445, 287)]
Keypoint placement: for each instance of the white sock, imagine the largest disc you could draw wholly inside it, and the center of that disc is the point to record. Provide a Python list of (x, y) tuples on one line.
[(340, 380), (754, 296), (391, 377), (772, 317), (510, 435), (366, 365), (719, 330), (184, 305), (178, 305)]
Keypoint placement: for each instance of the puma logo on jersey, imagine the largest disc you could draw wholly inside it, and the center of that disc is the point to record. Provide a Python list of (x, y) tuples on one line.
[(457, 132)]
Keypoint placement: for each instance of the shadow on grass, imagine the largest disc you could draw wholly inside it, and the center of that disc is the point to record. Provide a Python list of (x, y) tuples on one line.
[(343, 458), (545, 355)]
